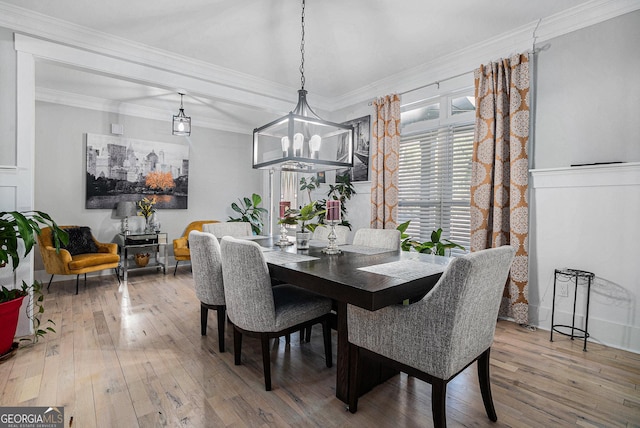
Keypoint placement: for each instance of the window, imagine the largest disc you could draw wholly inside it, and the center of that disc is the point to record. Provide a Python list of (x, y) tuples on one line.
[(435, 173)]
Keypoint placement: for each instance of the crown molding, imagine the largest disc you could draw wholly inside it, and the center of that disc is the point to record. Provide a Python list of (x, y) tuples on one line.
[(145, 75), (104, 105), (280, 98), (63, 32), (466, 60)]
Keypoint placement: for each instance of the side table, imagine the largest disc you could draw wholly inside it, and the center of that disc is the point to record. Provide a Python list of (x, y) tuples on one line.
[(567, 275), (155, 243)]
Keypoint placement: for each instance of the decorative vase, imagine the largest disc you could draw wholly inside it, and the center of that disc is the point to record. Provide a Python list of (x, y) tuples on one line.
[(9, 312), (302, 240), (148, 226)]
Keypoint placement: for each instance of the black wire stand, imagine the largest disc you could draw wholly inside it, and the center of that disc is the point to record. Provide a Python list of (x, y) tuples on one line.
[(577, 276)]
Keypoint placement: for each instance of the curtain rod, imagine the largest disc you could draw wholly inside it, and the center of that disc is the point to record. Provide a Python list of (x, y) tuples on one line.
[(533, 50), (435, 82)]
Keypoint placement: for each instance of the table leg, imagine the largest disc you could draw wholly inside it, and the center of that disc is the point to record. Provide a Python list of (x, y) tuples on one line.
[(375, 372), (342, 363)]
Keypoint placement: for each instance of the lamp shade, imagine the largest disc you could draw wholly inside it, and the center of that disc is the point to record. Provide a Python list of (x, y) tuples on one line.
[(301, 141), (125, 209)]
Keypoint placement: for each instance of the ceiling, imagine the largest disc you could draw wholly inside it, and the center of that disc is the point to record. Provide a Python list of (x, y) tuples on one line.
[(349, 45)]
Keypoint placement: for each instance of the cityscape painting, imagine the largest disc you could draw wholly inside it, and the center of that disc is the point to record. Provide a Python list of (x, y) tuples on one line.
[(126, 169)]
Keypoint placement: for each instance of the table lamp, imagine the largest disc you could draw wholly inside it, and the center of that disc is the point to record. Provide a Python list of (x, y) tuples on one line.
[(125, 209)]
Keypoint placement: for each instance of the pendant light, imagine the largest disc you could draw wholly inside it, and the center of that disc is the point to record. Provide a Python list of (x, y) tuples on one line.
[(181, 122), (302, 141)]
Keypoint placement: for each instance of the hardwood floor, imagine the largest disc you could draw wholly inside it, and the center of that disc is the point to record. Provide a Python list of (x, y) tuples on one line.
[(132, 356)]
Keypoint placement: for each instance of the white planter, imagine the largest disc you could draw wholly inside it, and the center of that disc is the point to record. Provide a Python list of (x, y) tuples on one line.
[(302, 240)]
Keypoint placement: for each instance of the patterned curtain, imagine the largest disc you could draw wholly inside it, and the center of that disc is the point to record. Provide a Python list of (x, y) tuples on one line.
[(385, 156), (499, 181)]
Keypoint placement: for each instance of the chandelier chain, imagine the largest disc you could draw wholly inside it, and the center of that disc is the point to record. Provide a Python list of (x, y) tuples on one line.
[(302, 48)]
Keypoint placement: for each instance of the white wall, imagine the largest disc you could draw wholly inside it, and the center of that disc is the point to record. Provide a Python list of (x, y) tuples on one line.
[(219, 169), (588, 95)]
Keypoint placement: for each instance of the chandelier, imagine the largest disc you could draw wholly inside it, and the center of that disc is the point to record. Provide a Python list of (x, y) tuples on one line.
[(181, 122), (302, 141)]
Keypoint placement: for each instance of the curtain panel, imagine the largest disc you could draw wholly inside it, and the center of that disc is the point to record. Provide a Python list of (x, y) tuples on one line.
[(385, 157), (500, 168)]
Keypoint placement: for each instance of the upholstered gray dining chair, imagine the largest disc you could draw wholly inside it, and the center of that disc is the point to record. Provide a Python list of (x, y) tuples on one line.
[(378, 238), (229, 228), (206, 265), (439, 336), (256, 308), (321, 233)]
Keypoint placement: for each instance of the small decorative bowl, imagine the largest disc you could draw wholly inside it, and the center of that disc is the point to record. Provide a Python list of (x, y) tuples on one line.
[(141, 259)]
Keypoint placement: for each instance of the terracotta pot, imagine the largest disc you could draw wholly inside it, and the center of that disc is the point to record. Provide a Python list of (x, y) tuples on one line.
[(9, 312)]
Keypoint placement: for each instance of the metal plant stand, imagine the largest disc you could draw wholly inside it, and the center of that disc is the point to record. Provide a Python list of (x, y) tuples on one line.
[(567, 275)]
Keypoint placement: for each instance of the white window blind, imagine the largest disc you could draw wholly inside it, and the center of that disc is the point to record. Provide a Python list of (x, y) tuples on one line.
[(434, 181)]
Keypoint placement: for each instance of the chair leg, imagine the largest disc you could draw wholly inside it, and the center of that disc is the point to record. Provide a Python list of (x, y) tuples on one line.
[(266, 361), (485, 385), (117, 275), (221, 321), (438, 405), (176, 268), (77, 279), (354, 377), (204, 312), (326, 333), (307, 334), (50, 279), (237, 346)]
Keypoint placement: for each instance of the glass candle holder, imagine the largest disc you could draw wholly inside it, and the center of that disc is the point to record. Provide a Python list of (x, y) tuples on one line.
[(332, 248)]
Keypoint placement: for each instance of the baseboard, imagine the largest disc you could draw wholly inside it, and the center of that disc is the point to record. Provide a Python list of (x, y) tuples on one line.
[(620, 336)]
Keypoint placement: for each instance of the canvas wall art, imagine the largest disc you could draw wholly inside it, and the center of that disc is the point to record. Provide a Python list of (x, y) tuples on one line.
[(126, 169), (362, 134)]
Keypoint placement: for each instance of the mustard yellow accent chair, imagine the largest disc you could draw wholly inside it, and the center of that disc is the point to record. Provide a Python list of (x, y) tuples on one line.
[(181, 250), (81, 255)]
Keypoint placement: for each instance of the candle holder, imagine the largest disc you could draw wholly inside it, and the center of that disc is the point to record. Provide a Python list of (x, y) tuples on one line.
[(332, 248), (284, 240)]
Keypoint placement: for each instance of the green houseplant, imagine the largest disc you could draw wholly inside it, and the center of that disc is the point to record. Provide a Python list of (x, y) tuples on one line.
[(309, 186), (341, 191), (304, 218), (16, 228), (250, 212), (437, 245)]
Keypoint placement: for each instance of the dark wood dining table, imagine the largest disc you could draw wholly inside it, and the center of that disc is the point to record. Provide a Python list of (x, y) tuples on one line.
[(342, 278)]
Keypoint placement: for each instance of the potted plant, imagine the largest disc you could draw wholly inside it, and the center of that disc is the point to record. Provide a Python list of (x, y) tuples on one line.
[(303, 217), (17, 227), (437, 245), (250, 212)]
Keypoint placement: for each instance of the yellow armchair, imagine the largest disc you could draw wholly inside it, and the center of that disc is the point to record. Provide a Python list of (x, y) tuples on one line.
[(82, 254), (181, 245)]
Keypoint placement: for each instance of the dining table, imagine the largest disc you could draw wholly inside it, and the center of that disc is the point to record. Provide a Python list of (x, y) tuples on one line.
[(368, 277)]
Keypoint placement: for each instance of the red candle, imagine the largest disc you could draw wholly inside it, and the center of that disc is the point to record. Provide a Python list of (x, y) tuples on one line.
[(333, 210), (284, 206)]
